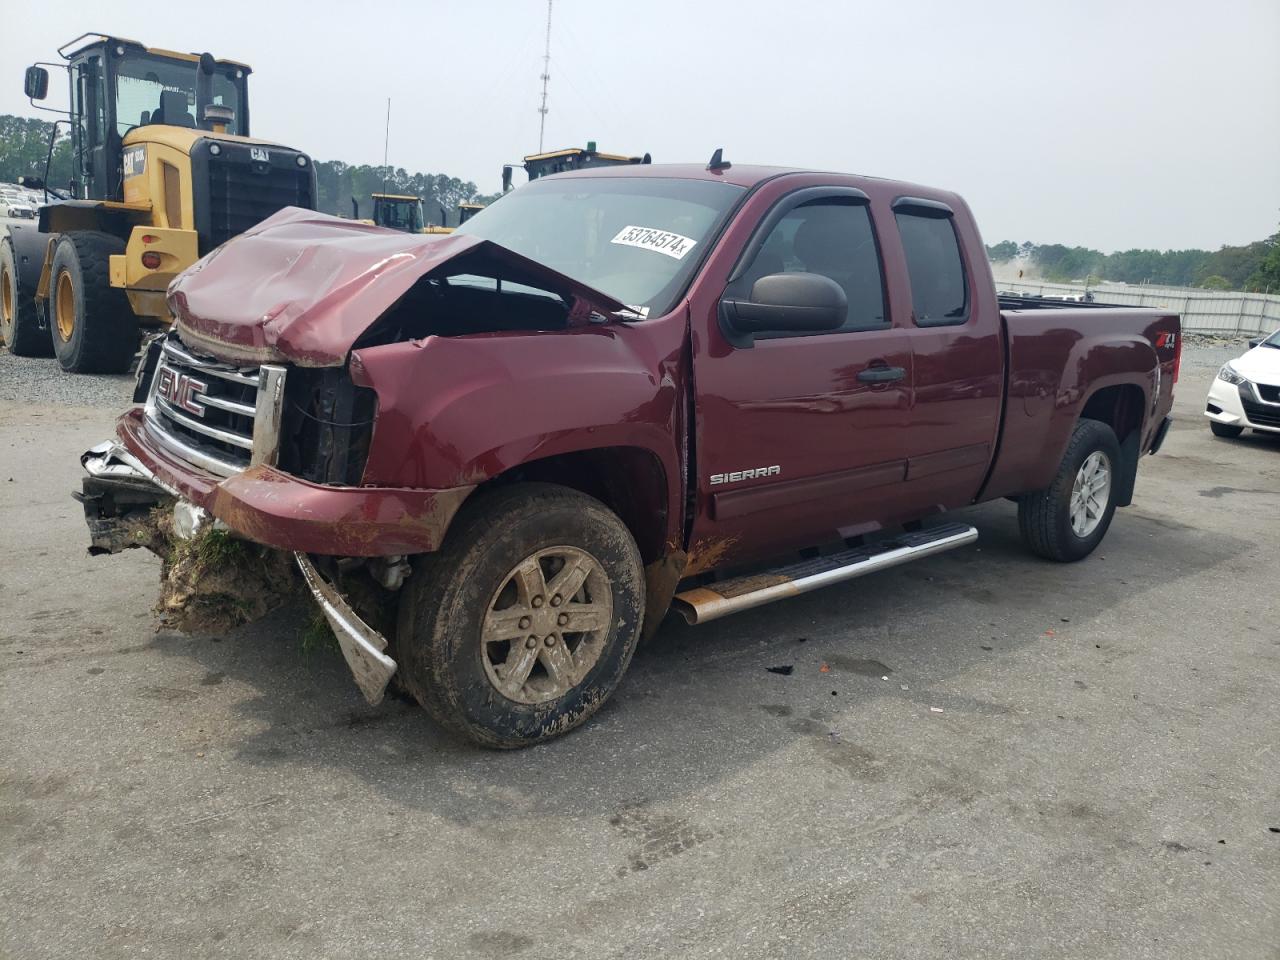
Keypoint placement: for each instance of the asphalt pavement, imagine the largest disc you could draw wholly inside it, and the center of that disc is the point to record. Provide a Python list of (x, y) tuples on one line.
[(979, 755)]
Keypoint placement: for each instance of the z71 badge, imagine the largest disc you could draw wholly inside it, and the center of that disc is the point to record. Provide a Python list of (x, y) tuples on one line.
[(752, 473)]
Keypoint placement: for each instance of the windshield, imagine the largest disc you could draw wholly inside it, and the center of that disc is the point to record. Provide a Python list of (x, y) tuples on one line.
[(1271, 341), (142, 80), (637, 239)]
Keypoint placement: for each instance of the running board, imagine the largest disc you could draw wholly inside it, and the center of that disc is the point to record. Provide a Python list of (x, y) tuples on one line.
[(716, 600)]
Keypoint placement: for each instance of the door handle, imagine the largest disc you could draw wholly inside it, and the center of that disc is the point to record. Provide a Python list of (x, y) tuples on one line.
[(881, 374)]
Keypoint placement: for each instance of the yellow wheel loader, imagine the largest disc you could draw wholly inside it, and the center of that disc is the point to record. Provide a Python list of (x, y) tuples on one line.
[(400, 212), (163, 171)]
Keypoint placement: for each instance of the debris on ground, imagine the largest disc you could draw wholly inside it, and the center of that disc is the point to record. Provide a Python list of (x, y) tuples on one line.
[(215, 581), (786, 669), (825, 668), (935, 709)]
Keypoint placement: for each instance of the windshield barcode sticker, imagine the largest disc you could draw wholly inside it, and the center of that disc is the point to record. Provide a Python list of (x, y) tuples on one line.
[(660, 241)]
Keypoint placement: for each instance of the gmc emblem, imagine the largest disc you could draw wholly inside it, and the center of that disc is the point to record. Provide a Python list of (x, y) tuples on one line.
[(181, 390)]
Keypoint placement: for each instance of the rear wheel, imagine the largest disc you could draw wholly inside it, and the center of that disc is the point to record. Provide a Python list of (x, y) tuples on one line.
[(522, 625), (1069, 518), (1225, 430), (19, 327), (93, 327)]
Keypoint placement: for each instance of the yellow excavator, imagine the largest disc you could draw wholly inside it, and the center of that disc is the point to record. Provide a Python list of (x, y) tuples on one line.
[(163, 171)]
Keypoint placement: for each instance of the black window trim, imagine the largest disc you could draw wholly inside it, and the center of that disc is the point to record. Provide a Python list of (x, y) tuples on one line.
[(800, 197), (934, 210)]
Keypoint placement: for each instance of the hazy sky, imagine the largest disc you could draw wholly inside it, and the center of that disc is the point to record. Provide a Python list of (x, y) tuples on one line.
[(1106, 124)]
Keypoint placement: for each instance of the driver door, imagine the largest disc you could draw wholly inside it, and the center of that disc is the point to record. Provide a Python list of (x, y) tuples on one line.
[(800, 437)]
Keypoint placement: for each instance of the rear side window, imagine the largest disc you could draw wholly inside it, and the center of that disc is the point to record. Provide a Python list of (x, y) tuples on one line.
[(939, 293), (833, 238)]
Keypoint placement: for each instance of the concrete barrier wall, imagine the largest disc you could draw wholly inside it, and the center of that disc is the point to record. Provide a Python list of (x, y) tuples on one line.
[(1203, 311)]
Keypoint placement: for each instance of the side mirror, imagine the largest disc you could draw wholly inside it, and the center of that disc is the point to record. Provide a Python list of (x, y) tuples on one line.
[(506, 177), (787, 303), (36, 83)]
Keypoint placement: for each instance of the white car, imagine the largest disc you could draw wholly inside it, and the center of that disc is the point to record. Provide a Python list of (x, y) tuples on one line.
[(1246, 391), (18, 209)]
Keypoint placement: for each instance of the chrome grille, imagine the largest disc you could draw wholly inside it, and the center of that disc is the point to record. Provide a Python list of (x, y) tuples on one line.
[(212, 414)]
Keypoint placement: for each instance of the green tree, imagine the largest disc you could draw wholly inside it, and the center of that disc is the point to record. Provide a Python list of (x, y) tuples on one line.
[(1215, 282), (1267, 275), (24, 147), (1004, 250)]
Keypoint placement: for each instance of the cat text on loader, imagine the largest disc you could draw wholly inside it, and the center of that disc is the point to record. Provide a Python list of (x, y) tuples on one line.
[(163, 171)]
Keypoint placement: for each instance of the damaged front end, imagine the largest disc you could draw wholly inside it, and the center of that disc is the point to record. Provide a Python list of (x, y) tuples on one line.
[(283, 439), (212, 580)]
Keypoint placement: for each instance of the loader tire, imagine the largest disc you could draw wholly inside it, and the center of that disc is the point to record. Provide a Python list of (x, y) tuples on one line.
[(19, 323), (93, 327)]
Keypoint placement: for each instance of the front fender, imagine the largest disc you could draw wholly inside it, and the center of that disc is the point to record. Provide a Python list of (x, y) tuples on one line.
[(462, 410)]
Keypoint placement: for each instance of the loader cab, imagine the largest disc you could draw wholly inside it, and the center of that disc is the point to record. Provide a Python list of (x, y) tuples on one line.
[(561, 161), (119, 85), (398, 212)]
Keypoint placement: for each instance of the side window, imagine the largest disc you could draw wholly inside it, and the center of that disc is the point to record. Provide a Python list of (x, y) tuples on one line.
[(835, 239), (939, 293)]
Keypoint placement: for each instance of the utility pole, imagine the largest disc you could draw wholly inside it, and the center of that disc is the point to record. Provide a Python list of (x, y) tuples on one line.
[(386, 144), (546, 75)]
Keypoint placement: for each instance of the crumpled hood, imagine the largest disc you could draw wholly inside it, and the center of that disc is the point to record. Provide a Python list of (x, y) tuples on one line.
[(303, 286)]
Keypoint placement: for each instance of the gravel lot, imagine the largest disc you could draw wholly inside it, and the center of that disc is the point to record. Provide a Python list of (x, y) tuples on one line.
[(1101, 781)]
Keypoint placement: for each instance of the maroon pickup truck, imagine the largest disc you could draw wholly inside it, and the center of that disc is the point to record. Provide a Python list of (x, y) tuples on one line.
[(613, 393)]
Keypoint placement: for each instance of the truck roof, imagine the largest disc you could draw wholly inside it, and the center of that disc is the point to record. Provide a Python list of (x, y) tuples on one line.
[(751, 175)]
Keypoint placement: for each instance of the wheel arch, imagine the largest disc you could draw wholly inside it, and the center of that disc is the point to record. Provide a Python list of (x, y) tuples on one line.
[(1122, 407), (629, 480)]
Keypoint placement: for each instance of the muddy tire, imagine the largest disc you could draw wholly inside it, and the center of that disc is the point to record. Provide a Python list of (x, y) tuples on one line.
[(486, 638), (1066, 521), (94, 329), (1225, 430), (19, 325)]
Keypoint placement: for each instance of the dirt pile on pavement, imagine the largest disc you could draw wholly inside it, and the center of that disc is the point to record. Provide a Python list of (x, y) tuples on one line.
[(214, 581)]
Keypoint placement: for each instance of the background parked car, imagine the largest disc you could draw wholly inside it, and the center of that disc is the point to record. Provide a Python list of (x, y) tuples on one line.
[(1246, 391), (17, 209)]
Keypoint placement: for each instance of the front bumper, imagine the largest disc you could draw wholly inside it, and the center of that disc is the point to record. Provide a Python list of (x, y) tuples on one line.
[(277, 510), (119, 488), (1241, 406)]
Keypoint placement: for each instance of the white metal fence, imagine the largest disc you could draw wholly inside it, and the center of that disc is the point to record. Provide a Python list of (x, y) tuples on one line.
[(1203, 311)]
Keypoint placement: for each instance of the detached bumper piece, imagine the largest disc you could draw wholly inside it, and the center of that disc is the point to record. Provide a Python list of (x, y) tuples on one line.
[(362, 645), (117, 493)]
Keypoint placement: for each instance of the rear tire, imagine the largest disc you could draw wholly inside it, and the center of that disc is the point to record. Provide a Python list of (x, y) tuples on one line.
[(485, 640), (19, 322), (93, 327), (1068, 519), (1225, 430)]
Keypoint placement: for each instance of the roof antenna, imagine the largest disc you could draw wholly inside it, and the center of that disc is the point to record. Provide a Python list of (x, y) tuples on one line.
[(718, 162)]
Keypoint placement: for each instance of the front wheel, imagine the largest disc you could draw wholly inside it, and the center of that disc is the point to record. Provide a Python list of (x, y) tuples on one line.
[(1069, 518), (1225, 430), (522, 625)]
